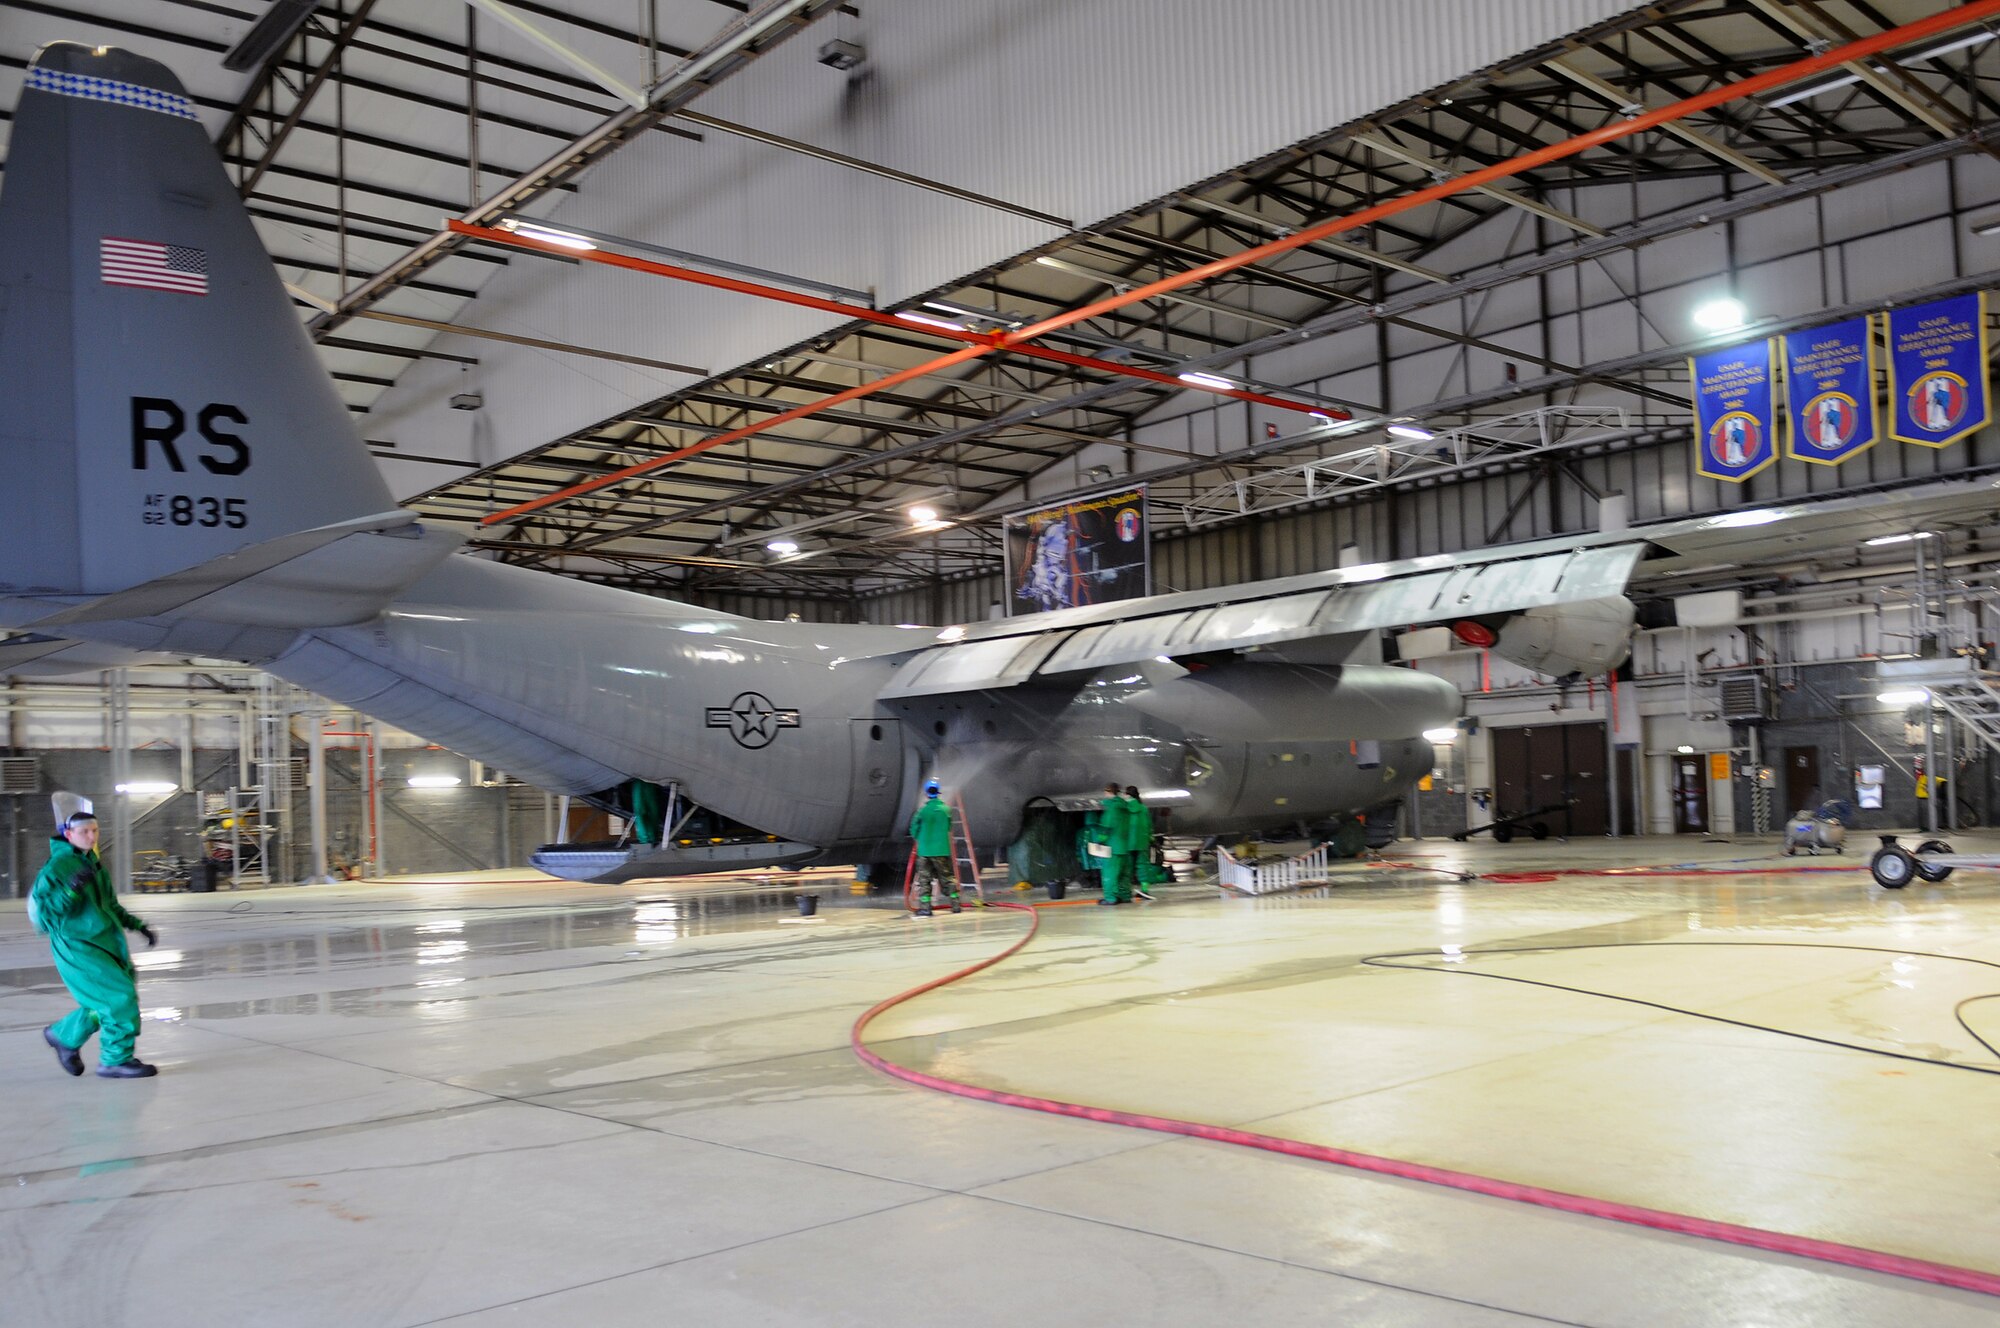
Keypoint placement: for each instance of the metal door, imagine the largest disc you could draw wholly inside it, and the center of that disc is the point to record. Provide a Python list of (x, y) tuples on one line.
[(1691, 795), (1801, 787), (1580, 781)]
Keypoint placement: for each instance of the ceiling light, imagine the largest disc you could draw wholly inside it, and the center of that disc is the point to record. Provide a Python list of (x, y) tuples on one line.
[(1440, 736), (1761, 516), (1685, 749), (435, 781), (923, 516), (1899, 539), (1411, 431), (928, 321), (150, 788), (1911, 697), (1320, 415), (783, 547), (1843, 80), (1722, 315), (1207, 380), (547, 234)]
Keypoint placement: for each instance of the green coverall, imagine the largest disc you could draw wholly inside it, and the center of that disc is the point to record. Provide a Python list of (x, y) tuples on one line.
[(931, 828), (1116, 869), (1139, 824), (86, 925)]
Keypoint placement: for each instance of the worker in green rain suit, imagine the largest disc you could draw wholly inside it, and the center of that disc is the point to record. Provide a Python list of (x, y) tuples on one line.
[(931, 828), (73, 902), (1115, 870), (1139, 824)]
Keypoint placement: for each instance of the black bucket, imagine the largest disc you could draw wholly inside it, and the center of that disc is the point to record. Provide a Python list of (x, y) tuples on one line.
[(1057, 889), (808, 905)]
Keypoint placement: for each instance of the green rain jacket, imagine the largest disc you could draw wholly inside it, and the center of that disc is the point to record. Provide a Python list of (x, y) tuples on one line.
[(1112, 819), (1138, 827), (73, 898), (931, 828)]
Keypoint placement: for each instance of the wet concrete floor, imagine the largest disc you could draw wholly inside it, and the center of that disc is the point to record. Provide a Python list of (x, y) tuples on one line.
[(500, 1098)]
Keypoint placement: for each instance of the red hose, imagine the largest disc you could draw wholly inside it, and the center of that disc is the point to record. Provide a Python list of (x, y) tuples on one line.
[(1805, 1247)]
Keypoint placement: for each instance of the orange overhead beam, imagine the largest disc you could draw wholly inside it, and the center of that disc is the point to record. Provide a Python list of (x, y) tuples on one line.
[(1949, 20), (927, 326)]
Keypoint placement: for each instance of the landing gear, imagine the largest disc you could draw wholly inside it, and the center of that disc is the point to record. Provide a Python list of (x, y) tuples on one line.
[(1349, 839), (1892, 866), (1929, 871)]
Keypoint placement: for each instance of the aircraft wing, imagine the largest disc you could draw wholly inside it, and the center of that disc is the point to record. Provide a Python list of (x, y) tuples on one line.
[(1570, 588)]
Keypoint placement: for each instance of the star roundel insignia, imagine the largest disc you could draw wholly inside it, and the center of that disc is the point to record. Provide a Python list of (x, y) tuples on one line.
[(752, 720)]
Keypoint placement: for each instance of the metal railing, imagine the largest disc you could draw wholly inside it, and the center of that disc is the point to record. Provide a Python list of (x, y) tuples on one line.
[(1263, 878)]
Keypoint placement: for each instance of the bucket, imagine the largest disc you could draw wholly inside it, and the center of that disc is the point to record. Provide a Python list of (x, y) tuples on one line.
[(808, 905), (1057, 889)]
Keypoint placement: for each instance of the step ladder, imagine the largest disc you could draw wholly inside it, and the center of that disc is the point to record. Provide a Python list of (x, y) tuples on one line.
[(964, 861)]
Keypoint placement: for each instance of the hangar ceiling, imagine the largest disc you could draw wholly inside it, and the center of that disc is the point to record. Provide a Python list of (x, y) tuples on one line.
[(375, 118)]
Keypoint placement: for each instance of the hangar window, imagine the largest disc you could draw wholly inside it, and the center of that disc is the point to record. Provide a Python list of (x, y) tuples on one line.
[(875, 732)]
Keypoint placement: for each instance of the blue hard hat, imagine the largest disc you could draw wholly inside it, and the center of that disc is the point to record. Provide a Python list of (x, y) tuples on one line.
[(931, 787)]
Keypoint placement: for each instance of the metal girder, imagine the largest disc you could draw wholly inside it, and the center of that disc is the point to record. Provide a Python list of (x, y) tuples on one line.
[(1442, 171), (741, 42), (319, 76), (1376, 465), (1619, 100)]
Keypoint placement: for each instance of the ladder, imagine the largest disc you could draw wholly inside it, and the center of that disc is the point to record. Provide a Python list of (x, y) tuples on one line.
[(964, 860)]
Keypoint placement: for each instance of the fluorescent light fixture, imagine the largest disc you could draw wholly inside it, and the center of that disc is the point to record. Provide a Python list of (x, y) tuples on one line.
[(1440, 736), (1759, 516), (1685, 749), (1843, 80), (923, 516), (1216, 381), (549, 234), (150, 788), (783, 547), (929, 321), (435, 781), (1913, 696), (1880, 540), (1721, 315), (1411, 431), (1320, 415)]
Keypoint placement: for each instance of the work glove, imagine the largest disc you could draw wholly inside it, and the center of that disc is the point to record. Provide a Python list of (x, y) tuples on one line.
[(152, 937)]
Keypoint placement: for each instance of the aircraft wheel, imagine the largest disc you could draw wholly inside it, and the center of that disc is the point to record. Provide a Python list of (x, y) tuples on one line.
[(1892, 867), (1503, 834), (1925, 869), (1540, 830), (1349, 839)]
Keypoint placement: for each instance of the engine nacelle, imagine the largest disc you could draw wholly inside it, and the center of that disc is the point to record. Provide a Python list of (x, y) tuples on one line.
[(1590, 637)]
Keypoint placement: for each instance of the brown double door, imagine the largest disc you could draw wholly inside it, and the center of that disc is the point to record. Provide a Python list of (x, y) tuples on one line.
[(1553, 765)]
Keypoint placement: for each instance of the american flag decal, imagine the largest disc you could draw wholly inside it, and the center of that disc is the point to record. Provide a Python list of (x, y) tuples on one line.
[(167, 267)]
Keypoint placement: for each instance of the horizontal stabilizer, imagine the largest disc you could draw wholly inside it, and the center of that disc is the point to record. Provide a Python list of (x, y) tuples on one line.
[(327, 577)]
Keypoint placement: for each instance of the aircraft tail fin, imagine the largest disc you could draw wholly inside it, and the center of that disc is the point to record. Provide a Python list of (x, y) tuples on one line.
[(163, 406)]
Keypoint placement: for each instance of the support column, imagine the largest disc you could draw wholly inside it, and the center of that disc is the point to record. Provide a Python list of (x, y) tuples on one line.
[(119, 855), (316, 793), (380, 866)]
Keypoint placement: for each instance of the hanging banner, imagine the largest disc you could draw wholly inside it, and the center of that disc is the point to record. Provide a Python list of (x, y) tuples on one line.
[(1732, 411), (1830, 392), (1937, 370), (1085, 552)]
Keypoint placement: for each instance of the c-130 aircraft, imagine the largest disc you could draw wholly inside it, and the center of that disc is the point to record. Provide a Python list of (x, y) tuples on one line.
[(184, 479)]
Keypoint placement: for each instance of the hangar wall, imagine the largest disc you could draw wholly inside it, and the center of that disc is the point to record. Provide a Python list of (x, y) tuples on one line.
[(924, 104)]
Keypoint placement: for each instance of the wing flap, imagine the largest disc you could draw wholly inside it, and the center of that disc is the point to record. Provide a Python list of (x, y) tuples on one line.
[(1401, 595)]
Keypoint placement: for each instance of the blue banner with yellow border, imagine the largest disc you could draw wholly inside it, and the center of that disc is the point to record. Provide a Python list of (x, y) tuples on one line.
[(1734, 437), (1830, 392), (1937, 370)]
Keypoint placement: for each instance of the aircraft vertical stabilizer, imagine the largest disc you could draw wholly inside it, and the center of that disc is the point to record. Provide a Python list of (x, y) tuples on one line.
[(163, 406)]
